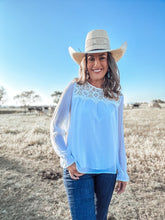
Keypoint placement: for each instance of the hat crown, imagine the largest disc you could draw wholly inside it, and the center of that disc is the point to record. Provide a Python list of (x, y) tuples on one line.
[(97, 40)]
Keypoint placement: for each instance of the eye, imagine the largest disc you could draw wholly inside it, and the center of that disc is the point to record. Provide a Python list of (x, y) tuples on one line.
[(91, 58), (102, 58)]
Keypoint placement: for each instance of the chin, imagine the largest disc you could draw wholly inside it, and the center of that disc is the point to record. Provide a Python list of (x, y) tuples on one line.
[(97, 77)]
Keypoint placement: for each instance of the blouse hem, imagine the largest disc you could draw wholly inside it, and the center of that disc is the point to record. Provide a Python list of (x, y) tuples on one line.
[(90, 171)]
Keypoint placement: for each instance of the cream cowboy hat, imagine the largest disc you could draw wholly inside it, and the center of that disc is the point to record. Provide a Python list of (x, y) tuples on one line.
[(97, 41)]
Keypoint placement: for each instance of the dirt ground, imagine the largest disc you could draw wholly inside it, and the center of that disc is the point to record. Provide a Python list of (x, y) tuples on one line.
[(31, 185)]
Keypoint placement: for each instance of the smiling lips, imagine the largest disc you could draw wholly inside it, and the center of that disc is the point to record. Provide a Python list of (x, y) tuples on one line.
[(97, 70)]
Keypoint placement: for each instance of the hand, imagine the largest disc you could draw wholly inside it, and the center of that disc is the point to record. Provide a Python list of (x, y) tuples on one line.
[(120, 188), (74, 174)]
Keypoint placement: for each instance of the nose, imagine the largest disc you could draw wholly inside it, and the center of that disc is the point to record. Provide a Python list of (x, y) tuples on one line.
[(97, 62)]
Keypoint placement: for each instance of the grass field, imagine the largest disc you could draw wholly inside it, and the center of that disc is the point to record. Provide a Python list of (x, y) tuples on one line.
[(31, 185)]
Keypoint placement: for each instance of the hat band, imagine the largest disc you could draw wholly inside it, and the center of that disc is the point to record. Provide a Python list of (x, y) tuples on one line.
[(98, 43), (95, 50)]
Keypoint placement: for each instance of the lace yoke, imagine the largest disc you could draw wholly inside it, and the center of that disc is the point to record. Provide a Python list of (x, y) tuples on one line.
[(88, 91)]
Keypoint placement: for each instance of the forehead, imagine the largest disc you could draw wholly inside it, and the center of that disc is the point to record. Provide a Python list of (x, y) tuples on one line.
[(97, 54)]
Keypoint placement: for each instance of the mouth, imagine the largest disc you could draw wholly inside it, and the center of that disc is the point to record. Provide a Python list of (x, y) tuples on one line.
[(97, 70)]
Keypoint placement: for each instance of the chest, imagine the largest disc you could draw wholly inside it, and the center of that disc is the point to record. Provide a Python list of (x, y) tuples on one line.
[(89, 103)]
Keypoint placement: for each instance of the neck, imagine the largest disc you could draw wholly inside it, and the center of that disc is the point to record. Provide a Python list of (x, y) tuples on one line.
[(96, 83)]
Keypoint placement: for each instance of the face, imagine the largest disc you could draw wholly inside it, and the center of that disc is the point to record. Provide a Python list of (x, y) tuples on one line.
[(97, 66)]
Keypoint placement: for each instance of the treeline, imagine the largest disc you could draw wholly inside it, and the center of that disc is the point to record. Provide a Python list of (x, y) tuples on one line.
[(27, 98), (158, 101)]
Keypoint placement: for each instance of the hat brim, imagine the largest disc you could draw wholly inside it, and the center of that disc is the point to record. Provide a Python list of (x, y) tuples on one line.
[(117, 53)]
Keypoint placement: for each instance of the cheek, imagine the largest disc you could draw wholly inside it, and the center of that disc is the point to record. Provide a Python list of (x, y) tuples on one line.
[(88, 66), (106, 67)]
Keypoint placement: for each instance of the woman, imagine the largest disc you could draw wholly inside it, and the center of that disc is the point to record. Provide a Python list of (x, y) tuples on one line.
[(87, 130)]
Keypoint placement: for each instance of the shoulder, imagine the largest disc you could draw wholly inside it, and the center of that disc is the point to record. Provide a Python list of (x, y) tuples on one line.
[(70, 85), (121, 95), (121, 98)]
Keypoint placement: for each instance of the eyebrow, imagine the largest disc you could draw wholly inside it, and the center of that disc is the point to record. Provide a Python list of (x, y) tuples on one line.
[(99, 55)]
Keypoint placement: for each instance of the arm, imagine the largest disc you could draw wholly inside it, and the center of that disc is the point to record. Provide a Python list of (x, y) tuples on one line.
[(122, 163), (59, 126)]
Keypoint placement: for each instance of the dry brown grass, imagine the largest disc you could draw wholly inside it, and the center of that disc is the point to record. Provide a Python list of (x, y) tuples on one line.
[(26, 152)]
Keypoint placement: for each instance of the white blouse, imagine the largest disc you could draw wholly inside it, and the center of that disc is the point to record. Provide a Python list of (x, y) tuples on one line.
[(87, 128)]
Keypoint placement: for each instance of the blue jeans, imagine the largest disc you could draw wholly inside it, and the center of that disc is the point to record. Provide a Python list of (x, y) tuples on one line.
[(89, 196)]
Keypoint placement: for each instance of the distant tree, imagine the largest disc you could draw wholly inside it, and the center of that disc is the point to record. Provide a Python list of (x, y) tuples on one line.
[(56, 96), (158, 101), (27, 98), (2, 95)]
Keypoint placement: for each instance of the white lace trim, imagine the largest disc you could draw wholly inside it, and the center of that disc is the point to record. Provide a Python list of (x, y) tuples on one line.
[(88, 91)]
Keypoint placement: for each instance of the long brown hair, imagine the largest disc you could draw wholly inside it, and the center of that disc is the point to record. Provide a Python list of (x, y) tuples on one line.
[(111, 86)]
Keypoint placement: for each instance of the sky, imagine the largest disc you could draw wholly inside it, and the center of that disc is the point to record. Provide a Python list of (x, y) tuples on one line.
[(35, 36)]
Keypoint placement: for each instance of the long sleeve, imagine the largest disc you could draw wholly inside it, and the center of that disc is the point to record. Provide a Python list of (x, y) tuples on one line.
[(59, 126), (122, 161)]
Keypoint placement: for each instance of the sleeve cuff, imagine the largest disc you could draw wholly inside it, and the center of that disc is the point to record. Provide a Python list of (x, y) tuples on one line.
[(67, 161), (122, 177)]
